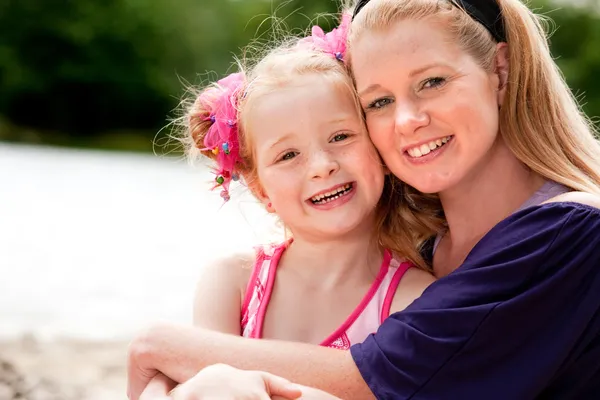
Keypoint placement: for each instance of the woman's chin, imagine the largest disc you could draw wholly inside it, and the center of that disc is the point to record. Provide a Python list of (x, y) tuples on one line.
[(428, 186)]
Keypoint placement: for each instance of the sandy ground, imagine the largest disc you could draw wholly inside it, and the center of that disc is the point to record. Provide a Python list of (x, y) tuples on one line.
[(62, 370)]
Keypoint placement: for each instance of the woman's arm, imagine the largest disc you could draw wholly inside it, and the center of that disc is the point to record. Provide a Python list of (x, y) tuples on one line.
[(526, 291), (180, 352)]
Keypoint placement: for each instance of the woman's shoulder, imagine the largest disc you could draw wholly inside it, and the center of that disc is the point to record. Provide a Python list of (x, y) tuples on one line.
[(576, 198), (564, 209), (562, 231)]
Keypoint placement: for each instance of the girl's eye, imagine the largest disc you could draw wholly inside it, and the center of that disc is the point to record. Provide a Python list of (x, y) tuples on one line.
[(380, 103), (288, 156), (433, 83), (339, 137)]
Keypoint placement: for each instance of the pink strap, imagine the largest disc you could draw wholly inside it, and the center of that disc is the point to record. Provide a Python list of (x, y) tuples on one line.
[(389, 296), (262, 309), (385, 265), (251, 286)]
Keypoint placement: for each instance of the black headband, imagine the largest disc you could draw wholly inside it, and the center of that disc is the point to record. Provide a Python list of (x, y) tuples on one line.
[(486, 12)]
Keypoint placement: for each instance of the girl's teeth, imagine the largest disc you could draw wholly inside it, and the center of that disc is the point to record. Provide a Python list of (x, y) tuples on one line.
[(330, 196), (425, 149)]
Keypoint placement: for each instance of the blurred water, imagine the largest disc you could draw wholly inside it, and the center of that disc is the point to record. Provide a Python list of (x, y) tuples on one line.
[(97, 245)]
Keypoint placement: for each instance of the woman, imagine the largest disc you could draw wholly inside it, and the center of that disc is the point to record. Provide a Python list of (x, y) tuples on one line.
[(462, 99)]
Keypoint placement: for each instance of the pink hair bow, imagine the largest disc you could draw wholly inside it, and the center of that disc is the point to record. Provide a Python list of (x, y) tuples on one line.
[(222, 138)]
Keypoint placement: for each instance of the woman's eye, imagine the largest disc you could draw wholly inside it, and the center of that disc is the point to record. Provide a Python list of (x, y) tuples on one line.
[(433, 83), (288, 156), (379, 103), (339, 137)]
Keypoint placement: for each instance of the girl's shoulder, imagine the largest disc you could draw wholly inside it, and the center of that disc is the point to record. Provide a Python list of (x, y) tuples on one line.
[(232, 270)]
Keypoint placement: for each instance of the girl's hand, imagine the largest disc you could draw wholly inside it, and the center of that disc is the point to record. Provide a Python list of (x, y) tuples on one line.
[(221, 381), (158, 388)]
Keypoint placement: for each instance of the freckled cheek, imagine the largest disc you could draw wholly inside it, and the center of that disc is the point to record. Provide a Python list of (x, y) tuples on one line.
[(279, 185)]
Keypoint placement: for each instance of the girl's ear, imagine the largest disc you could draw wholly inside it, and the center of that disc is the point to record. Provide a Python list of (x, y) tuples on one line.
[(258, 191)]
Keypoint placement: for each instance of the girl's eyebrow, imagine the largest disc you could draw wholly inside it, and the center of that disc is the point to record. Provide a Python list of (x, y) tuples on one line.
[(280, 140)]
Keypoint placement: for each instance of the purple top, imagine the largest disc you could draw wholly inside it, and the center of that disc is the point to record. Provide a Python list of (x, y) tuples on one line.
[(519, 319)]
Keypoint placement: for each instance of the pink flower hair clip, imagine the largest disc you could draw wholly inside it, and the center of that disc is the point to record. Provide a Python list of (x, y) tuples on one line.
[(334, 42), (222, 138)]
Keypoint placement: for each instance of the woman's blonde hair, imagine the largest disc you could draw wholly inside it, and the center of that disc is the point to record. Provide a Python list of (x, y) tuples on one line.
[(540, 120), (280, 68)]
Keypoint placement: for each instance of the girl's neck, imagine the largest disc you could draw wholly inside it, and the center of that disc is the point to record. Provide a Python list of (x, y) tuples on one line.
[(495, 190), (325, 263)]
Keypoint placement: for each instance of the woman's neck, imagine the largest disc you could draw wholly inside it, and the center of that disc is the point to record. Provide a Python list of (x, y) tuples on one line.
[(325, 263), (495, 190)]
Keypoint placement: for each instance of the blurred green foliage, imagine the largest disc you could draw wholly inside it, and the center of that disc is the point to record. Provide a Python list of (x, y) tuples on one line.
[(109, 73)]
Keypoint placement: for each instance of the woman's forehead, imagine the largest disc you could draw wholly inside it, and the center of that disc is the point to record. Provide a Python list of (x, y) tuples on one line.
[(406, 48)]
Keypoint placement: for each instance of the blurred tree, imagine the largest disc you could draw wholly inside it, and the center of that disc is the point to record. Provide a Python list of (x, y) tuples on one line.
[(575, 45), (85, 67)]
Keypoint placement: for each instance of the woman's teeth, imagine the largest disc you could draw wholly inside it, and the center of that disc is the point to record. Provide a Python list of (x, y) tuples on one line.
[(332, 195), (427, 148)]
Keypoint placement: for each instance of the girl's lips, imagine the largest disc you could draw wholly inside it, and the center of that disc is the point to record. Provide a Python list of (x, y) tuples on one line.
[(332, 190), (337, 200)]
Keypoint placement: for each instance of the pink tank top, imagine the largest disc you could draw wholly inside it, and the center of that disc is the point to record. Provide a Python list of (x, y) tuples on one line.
[(366, 318)]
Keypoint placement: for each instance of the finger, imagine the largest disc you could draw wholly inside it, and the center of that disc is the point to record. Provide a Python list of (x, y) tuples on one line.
[(158, 388), (137, 380), (278, 386), (309, 393)]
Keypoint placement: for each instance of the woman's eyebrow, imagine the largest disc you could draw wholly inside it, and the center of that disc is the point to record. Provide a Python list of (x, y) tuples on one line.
[(369, 89), (424, 68)]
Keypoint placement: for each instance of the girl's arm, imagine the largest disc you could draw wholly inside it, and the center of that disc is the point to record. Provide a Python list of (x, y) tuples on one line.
[(219, 294), (217, 306)]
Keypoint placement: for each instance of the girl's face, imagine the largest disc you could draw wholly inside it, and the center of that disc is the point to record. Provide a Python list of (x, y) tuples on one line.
[(431, 110), (316, 164)]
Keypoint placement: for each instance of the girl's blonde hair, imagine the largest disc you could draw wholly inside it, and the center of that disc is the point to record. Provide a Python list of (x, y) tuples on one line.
[(280, 68), (540, 120)]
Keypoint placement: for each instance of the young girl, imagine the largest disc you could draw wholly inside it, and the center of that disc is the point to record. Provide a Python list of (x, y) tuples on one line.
[(292, 128)]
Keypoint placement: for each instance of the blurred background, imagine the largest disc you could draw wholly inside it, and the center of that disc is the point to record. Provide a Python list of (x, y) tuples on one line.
[(103, 226)]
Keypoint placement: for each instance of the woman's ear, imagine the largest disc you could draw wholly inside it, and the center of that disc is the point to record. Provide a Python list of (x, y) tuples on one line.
[(501, 69)]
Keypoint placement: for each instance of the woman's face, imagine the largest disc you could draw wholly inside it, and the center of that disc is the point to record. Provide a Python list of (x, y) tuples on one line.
[(431, 110)]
